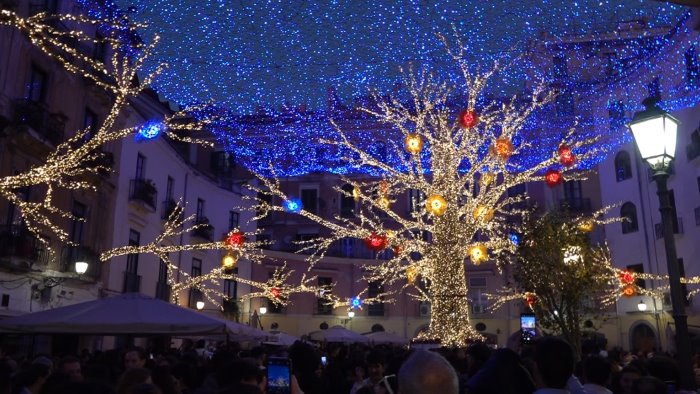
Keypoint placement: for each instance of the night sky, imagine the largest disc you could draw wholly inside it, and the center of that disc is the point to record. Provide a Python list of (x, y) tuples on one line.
[(250, 54)]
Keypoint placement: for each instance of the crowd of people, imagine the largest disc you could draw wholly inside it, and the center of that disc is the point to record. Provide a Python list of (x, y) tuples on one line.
[(548, 366)]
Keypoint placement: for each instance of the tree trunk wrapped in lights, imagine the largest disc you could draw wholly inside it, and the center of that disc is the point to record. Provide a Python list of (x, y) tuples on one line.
[(462, 161)]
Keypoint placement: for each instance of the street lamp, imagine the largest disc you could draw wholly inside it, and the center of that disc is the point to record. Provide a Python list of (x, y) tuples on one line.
[(200, 305), (642, 306), (351, 314), (263, 310), (81, 267), (654, 132)]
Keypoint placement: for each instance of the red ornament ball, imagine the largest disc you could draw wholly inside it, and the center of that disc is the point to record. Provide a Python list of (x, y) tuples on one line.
[(530, 300), (376, 242), (236, 238), (553, 178), (627, 277), (275, 292), (566, 156), (468, 118)]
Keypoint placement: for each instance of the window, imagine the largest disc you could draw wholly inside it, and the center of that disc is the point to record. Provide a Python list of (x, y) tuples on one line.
[(616, 112), (140, 166), (132, 260), (35, 90), (231, 288), (323, 308), (638, 269), (692, 66), (199, 217), (559, 68), (264, 198), (623, 166), (374, 290), (233, 217), (76, 231), (698, 179), (99, 51), (347, 202), (89, 124), (309, 199), (416, 200), (628, 212), (169, 189), (162, 272), (573, 190), (271, 306), (14, 215), (195, 294)]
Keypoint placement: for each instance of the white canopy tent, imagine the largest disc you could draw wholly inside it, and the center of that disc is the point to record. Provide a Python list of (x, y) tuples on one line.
[(126, 314), (338, 334), (383, 337)]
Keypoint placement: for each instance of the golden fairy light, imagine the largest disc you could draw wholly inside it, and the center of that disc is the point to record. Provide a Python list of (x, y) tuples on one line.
[(69, 164), (277, 288)]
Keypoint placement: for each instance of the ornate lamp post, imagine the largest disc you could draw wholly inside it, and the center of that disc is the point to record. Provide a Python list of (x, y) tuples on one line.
[(654, 132)]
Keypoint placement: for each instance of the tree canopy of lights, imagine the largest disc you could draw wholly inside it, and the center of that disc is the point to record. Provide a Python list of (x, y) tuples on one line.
[(293, 67)]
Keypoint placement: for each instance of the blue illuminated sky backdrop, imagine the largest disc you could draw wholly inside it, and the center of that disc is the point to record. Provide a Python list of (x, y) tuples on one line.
[(267, 53)]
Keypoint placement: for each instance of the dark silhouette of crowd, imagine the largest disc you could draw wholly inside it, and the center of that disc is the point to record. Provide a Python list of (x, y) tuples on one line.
[(547, 366)]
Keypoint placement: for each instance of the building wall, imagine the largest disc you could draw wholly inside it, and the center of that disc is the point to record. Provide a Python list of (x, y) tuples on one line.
[(32, 278)]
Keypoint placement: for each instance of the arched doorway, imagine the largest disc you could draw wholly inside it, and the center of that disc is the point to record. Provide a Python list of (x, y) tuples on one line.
[(642, 338)]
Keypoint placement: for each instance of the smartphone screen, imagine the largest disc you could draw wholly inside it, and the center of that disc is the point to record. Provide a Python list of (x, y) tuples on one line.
[(324, 360), (278, 376), (527, 327)]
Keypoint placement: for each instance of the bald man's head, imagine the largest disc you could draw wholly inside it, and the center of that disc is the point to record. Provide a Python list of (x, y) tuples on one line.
[(427, 372)]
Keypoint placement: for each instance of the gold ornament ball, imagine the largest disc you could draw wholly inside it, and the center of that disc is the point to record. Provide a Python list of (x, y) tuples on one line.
[(384, 203), (483, 213), (356, 193), (436, 205), (411, 274), (229, 261), (586, 226), (414, 143), (487, 179), (478, 253)]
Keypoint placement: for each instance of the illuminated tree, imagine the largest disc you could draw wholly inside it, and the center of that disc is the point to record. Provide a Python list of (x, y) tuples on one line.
[(464, 161), (564, 278)]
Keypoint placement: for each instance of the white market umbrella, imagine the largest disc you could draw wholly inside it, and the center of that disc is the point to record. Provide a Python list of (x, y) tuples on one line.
[(280, 339), (130, 314), (338, 334), (383, 337)]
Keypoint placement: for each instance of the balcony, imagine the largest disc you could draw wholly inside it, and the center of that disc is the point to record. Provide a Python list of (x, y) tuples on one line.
[(677, 228), (205, 231), (576, 204), (72, 254), (143, 191), (132, 282), (49, 127), (17, 245), (163, 291)]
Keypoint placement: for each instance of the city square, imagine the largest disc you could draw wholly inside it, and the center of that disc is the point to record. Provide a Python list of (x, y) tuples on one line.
[(347, 197)]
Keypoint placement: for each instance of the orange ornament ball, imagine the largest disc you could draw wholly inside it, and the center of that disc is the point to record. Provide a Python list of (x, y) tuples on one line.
[(502, 148)]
